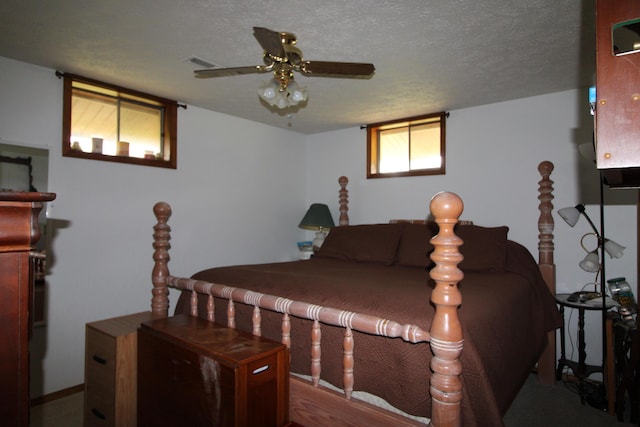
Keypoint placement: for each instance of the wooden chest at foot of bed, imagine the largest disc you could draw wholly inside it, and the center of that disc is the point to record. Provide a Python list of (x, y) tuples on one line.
[(198, 373)]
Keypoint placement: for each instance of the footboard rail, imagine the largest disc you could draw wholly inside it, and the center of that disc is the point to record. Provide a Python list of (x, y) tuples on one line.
[(445, 336), (348, 320)]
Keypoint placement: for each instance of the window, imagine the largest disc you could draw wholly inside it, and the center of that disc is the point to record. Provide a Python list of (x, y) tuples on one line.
[(111, 123), (407, 147)]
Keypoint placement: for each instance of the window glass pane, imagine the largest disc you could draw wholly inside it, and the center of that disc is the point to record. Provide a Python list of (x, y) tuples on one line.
[(95, 89), (407, 147), (425, 146), (111, 123), (140, 127), (139, 99), (94, 116), (394, 150)]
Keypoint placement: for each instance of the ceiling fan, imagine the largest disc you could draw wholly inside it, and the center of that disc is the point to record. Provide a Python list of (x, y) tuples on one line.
[(282, 58)]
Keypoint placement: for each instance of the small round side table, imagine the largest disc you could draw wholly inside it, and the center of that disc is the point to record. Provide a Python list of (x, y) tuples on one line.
[(580, 369)]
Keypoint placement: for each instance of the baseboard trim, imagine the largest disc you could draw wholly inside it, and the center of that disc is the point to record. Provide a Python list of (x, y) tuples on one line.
[(57, 395)]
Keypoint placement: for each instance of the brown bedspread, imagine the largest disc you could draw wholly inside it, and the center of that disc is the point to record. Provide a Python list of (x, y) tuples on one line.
[(505, 318)]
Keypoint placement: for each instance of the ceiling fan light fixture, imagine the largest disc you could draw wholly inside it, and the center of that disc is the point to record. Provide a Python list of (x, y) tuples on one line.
[(282, 100), (269, 90), (274, 93), (281, 57), (296, 92)]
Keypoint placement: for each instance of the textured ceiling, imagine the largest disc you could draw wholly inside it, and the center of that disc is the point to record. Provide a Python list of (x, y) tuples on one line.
[(430, 55)]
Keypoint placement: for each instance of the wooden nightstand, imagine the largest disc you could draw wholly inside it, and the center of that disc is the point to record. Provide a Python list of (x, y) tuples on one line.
[(193, 372), (111, 371)]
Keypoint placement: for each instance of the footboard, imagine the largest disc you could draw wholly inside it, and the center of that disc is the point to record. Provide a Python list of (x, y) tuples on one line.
[(311, 404)]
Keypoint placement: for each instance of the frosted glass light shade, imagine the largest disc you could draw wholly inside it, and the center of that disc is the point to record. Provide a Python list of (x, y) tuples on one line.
[(614, 249), (591, 263), (284, 95), (570, 215), (268, 91)]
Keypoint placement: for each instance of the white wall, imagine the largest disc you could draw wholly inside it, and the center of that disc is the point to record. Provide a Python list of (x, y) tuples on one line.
[(236, 197), (493, 152)]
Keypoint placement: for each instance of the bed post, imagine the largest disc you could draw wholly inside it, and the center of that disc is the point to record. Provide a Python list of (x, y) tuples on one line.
[(446, 331), (161, 246), (547, 362), (344, 201)]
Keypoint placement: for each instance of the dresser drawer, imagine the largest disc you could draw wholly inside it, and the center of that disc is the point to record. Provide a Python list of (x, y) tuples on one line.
[(101, 347), (111, 371), (100, 356), (100, 409)]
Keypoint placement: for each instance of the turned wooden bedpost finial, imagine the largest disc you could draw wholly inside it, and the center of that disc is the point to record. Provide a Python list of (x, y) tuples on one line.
[(344, 200), (546, 264), (161, 246), (446, 331), (545, 222)]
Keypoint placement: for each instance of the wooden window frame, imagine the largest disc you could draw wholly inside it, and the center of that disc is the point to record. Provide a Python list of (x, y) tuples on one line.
[(169, 125), (373, 152)]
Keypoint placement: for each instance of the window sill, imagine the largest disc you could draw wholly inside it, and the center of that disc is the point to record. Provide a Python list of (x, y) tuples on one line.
[(120, 159)]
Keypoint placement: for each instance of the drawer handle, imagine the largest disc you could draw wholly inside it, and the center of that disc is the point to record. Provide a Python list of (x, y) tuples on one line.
[(98, 414), (262, 369), (100, 360)]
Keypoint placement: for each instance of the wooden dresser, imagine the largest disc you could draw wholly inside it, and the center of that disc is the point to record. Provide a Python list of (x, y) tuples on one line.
[(193, 372), (110, 371), (19, 231)]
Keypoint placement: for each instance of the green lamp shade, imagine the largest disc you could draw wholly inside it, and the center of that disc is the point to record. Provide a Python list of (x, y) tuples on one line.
[(317, 217)]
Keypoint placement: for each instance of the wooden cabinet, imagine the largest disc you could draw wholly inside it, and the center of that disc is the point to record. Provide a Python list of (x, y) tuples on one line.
[(110, 371), (626, 340), (193, 372), (19, 231), (618, 91)]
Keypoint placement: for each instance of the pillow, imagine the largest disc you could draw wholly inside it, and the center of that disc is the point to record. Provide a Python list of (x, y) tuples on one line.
[(371, 243), (415, 246), (484, 248)]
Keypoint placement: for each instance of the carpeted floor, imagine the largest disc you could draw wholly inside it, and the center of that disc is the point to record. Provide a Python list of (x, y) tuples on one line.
[(536, 405), (539, 405), (64, 412)]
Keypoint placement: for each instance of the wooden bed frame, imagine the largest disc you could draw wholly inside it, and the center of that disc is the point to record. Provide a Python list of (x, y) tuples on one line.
[(314, 405)]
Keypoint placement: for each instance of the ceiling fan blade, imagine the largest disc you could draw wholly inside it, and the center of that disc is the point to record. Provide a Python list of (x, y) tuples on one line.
[(233, 71), (338, 69), (270, 41)]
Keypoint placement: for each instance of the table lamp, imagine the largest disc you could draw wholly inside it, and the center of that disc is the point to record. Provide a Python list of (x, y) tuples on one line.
[(318, 218)]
